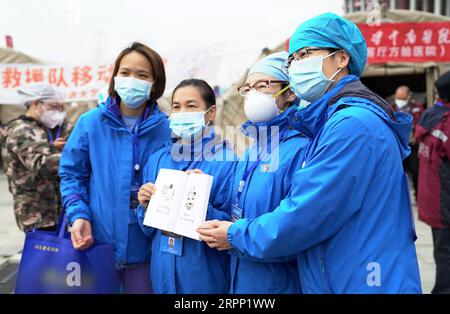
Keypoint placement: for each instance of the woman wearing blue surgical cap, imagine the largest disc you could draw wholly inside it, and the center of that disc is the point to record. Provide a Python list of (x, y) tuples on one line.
[(190, 266), (348, 214), (264, 175)]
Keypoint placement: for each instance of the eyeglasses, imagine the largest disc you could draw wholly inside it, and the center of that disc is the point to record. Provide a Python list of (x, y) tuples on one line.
[(260, 86), (303, 54), (52, 105)]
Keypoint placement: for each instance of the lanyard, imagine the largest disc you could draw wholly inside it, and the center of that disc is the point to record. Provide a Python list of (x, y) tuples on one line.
[(136, 153), (252, 168), (136, 182), (50, 135)]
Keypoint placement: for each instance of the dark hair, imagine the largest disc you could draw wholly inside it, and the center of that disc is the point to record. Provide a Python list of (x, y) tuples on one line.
[(332, 50), (204, 88), (157, 65)]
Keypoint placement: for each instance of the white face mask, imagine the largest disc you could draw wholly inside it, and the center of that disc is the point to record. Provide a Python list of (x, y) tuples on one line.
[(401, 103), (52, 118), (260, 107)]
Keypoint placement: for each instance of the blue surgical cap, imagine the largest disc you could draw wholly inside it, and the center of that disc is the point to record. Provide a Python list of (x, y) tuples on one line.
[(272, 65), (329, 30)]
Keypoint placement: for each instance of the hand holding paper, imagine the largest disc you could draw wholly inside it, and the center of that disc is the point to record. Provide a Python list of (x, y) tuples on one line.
[(145, 193), (180, 202), (214, 233)]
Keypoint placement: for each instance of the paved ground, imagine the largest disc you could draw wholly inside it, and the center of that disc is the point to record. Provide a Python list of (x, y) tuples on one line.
[(11, 239)]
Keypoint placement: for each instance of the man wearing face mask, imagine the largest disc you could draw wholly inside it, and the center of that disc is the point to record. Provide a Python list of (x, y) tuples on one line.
[(348, 214), (31, 153), (404, 102)]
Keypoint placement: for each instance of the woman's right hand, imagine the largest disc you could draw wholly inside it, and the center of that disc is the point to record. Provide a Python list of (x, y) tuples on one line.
[(145, 193), (81, 234)]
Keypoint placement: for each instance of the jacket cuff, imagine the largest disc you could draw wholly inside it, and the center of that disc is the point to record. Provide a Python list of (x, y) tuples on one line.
[(79, 216), (233, 232), (77, 210)]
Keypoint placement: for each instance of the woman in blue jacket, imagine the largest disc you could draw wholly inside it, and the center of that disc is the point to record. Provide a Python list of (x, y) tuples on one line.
[(100, 167), (264, 175), (191, 267), (348, 214)]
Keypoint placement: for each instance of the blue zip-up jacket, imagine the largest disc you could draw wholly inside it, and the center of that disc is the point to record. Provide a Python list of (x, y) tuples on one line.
[(199, 269), (96, 170), (348, 214), (265, 188)]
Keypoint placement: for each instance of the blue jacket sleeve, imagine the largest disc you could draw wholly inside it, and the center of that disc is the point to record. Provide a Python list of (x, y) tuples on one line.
[(151, 170), (74, 171), (148, 231), (280, 259), (324, 195)]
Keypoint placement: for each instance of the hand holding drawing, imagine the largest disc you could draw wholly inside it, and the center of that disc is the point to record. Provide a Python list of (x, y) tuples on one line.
[(145, 193)]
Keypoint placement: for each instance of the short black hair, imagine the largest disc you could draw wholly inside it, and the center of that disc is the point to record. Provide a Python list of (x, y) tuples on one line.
[(203, 87), (443, 86)]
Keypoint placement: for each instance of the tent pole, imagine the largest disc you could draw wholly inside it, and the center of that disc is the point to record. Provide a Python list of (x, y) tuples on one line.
[(437, 7), (393, 4)]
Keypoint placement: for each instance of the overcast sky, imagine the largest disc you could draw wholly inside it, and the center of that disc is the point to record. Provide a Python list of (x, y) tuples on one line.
[(95, 31)]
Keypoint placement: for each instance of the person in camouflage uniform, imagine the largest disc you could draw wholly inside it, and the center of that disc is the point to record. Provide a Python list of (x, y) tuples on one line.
[(31, 147)]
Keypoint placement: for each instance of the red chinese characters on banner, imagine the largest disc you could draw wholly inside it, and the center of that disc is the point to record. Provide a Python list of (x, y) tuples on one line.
[(56, 77), (11, 77), (407, 42), (75, 82)]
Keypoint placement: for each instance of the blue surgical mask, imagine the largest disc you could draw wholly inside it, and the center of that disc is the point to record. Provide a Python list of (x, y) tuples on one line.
[(133, 92), (307, 79), (186, 124)]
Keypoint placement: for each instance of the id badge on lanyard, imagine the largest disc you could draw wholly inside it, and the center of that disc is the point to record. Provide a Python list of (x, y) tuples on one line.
[(236, 211), (172, 243)]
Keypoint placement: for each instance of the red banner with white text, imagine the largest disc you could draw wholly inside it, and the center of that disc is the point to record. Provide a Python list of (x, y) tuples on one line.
[(407, 42)]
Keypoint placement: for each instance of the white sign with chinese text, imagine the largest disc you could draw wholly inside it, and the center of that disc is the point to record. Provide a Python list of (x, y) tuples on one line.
[(75, 82)]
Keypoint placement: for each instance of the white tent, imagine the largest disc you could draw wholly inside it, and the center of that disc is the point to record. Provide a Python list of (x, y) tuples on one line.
[(7, 111)]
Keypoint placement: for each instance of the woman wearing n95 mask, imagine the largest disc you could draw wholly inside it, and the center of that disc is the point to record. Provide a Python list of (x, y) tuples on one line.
[(263, 176)]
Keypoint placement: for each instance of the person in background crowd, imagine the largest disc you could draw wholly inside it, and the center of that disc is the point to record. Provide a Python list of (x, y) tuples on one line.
[(31, 149), (432, 134), (404, 102)]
